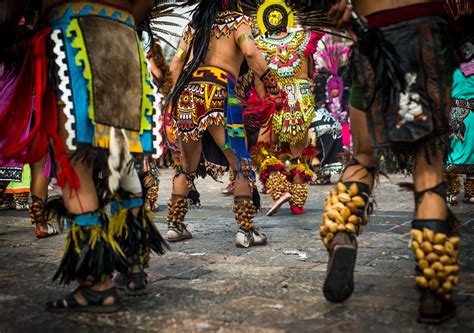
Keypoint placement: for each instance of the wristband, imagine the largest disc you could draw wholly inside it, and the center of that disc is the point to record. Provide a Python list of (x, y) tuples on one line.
[(270, 81)]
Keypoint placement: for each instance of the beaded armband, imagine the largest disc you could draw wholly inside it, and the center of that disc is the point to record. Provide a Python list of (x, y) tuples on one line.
[(269, 79)]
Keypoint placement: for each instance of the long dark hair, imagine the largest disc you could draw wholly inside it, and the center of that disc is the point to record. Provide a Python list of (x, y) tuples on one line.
[(203, 17)]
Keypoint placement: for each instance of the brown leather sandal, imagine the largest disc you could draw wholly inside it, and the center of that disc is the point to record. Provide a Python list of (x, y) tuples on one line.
[(95, 302), (39, 219)]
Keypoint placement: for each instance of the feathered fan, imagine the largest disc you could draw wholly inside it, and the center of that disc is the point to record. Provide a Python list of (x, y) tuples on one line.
[(316, 19), (163, 17)]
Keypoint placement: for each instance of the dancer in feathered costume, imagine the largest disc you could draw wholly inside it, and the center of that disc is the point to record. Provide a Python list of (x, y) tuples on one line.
[(103, 115), (330, 132), (15, 181), (153, 30), (403, 65), (207, 116), (290, 54)]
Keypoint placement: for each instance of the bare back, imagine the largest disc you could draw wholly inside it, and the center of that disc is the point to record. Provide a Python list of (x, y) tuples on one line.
[(225, 54)]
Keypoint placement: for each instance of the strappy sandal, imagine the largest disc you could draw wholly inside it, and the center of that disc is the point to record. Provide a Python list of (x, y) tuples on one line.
[(435, 244), (94, 302), (138, 280), (38, 218)]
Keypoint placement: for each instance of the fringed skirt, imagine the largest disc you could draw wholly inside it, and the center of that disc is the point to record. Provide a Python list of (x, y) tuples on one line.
[(416, 119), (210, 100)]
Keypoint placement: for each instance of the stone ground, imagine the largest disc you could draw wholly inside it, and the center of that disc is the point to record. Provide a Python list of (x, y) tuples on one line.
[(206, 284)]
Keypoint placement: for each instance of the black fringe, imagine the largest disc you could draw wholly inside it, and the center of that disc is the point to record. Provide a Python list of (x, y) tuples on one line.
[(153, 240), (55, 209), (98, 262), (400, 157)]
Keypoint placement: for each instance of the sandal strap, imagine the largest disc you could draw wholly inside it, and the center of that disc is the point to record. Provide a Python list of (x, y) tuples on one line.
[(441, 189), (138, 279), (93, 297), (90, 296), (372, 170), (67, 302)]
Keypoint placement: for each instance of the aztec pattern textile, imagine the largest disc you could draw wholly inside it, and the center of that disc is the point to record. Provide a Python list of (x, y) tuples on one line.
[(326, 132), (209, 99), (226, 22), (201, 104), (22, 185), (461, 158), (286, 56), (9, 170), (104, 81)]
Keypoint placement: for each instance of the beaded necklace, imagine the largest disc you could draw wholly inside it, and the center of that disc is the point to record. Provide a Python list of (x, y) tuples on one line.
[(285, 55)]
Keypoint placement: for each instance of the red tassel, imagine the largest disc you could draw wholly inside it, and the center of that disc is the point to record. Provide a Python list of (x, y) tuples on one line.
[(258, 113), (18, 113), (309, 152)]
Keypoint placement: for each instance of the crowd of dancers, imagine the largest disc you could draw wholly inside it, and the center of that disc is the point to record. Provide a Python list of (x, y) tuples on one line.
[(288, 93)]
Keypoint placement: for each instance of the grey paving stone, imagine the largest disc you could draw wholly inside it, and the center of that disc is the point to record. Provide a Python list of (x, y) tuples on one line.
[(206, 284)]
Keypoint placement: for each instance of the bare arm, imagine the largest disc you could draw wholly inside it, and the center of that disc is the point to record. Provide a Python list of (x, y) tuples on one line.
[(155, 70), (177, 64), (243, 38)]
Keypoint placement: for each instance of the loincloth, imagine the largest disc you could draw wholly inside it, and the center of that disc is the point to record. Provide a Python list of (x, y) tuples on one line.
[(103, 79), (201, 104), (417, 118), (209, 99)]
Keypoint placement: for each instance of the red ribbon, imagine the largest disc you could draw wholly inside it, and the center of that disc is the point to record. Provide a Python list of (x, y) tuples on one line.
[(16, 118)]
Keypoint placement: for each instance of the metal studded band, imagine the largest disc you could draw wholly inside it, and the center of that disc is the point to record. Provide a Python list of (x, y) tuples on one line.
[(180, 54)]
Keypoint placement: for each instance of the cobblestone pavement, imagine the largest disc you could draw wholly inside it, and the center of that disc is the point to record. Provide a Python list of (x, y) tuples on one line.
[(206, 284)]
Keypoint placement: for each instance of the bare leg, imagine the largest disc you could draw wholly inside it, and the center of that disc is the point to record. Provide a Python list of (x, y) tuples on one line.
[(39, 182), (81, 201), (191, 156), (244, 208), (241, 187), (362, 149), (355, 188), (178, 203), (428, 175)]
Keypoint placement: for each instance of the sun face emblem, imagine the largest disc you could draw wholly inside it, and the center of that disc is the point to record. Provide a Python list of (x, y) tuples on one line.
[(275, 17), (185, 101)]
